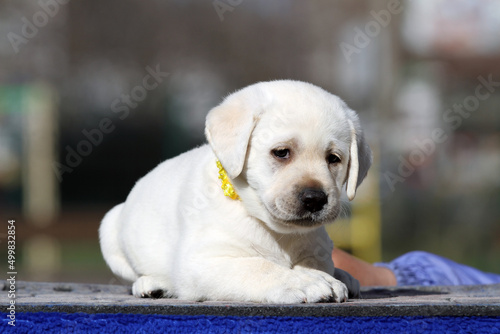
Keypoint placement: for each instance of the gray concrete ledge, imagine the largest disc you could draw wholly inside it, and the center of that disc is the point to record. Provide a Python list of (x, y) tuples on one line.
[(478, 300)]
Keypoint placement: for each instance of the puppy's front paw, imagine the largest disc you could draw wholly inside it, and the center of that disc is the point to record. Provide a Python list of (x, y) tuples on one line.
[(149, 287), (308, 286)]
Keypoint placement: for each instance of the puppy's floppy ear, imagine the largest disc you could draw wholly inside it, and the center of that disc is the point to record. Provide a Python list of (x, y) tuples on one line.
[(360, 156), (228, 129)]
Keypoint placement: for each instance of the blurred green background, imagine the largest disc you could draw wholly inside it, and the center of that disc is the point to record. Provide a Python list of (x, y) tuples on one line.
[(94, 94)]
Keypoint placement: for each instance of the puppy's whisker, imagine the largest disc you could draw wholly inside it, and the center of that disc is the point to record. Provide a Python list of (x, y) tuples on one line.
[(344, 209)]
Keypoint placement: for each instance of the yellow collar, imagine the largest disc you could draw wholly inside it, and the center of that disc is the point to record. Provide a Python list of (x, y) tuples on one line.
[(226, 183)]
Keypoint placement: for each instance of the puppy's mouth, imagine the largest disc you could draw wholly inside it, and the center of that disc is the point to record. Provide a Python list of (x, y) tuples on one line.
[(304, 222), (311, 220), (302, 217)]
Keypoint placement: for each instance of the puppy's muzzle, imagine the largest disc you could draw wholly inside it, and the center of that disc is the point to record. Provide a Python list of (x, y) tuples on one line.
[(312, 199)]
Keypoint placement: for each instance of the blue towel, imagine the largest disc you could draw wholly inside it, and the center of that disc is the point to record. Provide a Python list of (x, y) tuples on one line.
[(422, 268), (55, 322)]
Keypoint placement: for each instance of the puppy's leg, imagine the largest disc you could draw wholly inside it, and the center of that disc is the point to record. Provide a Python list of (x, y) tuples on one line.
[(340, 286), (151, 287), (110, 245), (319, 258), (259, 280), (343, 279)]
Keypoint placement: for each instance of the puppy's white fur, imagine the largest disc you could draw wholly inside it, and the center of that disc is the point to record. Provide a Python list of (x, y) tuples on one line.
[(178, 235)]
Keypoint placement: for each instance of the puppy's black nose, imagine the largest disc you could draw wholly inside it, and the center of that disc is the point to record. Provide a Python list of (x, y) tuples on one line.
[(312, 199)]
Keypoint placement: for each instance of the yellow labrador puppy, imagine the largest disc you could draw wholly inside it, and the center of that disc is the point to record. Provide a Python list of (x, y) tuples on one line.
[(282, 151)]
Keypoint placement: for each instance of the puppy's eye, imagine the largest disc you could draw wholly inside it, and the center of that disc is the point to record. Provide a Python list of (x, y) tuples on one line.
[(333, 159), (281, 153)]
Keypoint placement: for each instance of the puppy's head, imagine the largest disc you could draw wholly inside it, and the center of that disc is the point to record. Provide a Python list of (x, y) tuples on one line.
[(289, 147)]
